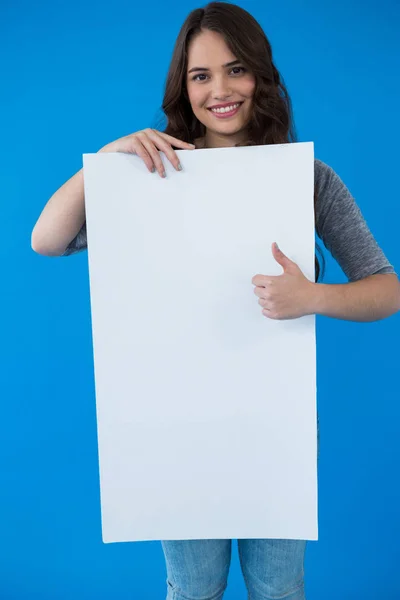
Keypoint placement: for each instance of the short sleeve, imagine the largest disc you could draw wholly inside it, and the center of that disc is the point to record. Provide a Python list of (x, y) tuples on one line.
[(343, 229), (79, 242)]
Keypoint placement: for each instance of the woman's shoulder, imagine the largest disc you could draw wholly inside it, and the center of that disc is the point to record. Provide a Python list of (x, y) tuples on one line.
[(328, 183), (322, 171), (332, 197)]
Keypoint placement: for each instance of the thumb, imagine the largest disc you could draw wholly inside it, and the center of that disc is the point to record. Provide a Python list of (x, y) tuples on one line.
[(280, 257)]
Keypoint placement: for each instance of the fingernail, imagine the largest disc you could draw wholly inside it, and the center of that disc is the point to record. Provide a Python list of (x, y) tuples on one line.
[(153, 170), (163, 174), (179, 167)]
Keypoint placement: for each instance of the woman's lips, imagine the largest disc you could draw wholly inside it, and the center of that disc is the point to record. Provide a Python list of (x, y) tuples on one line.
[(227, 114)]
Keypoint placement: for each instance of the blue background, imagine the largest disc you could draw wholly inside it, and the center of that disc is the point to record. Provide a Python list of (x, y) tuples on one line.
[(76, 76)]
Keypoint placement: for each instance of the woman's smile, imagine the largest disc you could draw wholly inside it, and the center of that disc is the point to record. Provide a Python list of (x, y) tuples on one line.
[(224, 111)]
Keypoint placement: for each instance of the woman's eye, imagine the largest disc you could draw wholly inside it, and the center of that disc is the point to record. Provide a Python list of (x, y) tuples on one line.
[(195, 78), (234, 70), (238, 70)]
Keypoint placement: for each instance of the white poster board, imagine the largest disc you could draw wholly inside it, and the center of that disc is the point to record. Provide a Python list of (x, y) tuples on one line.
[(206, 409)]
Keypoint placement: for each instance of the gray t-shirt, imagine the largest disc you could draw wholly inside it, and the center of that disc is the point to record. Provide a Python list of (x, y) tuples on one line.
[(338, 223)]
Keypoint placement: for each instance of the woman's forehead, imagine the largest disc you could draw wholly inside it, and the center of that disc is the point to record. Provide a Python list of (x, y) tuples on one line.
[(209, 49)]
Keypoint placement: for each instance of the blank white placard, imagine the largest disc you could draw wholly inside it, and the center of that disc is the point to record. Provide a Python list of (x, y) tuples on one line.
[(206, 409)]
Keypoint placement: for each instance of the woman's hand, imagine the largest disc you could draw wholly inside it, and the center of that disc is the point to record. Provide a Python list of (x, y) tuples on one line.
[(286, 296), (146, 144)]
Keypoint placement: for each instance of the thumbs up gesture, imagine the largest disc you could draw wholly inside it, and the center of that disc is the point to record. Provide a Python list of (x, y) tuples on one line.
[(286, 296)]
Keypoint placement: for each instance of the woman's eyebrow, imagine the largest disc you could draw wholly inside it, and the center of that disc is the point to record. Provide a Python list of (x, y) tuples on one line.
[(229, 64)]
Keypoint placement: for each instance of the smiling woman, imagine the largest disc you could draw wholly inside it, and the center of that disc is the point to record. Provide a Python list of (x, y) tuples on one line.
[(223, 89), (221, 93), (222, 57)]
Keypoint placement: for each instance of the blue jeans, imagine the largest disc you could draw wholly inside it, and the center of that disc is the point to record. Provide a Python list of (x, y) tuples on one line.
[(198, 569), (272, 569)]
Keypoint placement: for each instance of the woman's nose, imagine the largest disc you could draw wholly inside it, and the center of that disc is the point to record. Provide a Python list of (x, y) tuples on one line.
[(221, 89)]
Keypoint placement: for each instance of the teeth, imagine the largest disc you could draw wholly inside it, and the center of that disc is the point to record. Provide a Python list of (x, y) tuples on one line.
[(225, 109)]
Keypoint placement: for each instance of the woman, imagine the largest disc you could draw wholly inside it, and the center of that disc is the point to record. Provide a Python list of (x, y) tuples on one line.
[(224, 90)]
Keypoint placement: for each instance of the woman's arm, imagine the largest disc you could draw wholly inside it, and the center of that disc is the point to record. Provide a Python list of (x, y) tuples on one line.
[(370, 299), (292, 294), (61, 218)]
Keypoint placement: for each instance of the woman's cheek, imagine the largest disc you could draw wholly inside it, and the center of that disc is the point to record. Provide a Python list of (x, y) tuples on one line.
[(250, 87)]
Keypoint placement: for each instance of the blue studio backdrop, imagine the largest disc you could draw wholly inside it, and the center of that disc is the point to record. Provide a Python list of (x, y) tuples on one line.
[(77, 75)]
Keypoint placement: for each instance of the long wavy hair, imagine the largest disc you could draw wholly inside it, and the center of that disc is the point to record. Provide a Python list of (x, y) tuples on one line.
[(271, 120)]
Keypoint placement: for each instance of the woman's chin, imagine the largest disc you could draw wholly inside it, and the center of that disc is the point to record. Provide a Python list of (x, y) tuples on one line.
[(226, 128)]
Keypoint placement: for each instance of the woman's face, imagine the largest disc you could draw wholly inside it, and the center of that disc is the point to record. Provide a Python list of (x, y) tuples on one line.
[(220, 89)]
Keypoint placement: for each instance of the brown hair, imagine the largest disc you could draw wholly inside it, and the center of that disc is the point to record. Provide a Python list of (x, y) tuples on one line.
[(272, 118)]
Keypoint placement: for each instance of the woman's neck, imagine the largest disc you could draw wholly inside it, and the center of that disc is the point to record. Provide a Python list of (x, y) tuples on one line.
[(215, 140)]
